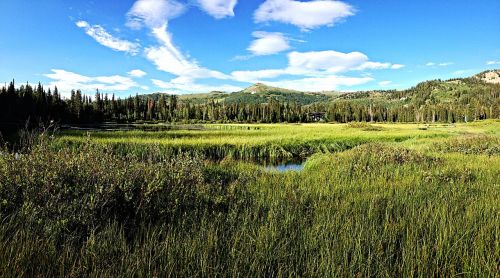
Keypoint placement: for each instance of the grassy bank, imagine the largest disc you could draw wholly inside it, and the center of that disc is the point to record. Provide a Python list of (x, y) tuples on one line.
[(405, 200)]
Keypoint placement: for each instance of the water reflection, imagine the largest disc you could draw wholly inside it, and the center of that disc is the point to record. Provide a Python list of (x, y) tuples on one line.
[(282, 168)]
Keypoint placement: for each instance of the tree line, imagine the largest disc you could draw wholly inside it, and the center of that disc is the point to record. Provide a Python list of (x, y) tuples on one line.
[(419, 104)]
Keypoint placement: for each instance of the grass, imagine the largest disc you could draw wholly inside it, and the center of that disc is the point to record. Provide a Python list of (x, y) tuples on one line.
[(272, 143), (399, 202)]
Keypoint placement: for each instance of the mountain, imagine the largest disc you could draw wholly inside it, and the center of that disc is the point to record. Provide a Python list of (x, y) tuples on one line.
[(255, 94), (260, 93), (482, 87), (489, 76)]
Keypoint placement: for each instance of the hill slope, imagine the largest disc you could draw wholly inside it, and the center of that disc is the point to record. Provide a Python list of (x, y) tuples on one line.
[(483, 87)]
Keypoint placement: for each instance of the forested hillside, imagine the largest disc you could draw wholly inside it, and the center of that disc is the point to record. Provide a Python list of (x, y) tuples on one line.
[(455, 100)]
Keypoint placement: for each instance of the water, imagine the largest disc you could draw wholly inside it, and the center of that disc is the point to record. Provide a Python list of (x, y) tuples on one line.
[(289, 167)]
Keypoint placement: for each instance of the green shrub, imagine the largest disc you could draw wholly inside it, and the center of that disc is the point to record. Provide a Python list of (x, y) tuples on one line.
[(471, 144)]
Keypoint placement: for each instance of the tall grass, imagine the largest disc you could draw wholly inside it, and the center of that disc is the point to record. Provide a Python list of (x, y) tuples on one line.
[(378, 209), (269, 143)]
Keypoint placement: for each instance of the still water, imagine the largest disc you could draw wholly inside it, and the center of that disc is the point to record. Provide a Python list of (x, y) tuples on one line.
[(289, 167)]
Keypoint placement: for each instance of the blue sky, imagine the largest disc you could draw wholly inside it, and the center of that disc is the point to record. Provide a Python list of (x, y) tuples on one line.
[(192, 46)]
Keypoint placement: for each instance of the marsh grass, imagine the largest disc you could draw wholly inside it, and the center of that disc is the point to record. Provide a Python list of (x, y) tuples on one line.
[(381, 209)]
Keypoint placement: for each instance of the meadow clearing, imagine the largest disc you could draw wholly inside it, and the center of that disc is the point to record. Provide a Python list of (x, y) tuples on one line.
[(372, 200)]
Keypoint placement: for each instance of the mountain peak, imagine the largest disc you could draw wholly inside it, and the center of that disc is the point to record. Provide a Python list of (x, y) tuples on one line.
[(490, 76), (263, 88)]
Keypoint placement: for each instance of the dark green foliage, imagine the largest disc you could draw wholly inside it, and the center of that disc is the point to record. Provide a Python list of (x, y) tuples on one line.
[(457, 100)]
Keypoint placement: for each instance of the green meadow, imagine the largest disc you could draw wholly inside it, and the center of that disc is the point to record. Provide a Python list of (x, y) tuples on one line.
[(381, 200)]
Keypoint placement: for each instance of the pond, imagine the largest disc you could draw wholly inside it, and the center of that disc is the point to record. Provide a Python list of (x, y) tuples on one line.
[(286, 167)]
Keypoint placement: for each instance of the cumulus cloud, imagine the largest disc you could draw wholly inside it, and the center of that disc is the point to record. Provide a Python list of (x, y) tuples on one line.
[(218, 8), (268, 43), (153, 13), (319, 70), (316, 63), (183, 88), (137, 73), (329, 60), (305, 15), (99, 34), (67, 81)]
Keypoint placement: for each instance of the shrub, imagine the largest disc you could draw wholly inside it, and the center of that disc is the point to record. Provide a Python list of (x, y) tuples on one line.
[(73, 191), (364, 126), (471, 144)]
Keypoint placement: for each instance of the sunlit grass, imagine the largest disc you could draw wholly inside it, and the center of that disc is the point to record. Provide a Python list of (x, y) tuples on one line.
[(401, 201)]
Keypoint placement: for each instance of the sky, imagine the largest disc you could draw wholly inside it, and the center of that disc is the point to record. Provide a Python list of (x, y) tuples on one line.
[(195, 46)]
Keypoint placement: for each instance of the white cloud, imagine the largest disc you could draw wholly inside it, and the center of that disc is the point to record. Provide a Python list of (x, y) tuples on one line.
[(489, 63), (305, 15), (443, 64), (184, 88), (268, 43), (374, 66), (137, 73), (331, 61), (153, 13), (168, 58), (67, 81), (257, 75), (464, 72), (397, 66), (316, 64), (218, 8), (316, 84), (99, 34), (334, 62), (385, 83)]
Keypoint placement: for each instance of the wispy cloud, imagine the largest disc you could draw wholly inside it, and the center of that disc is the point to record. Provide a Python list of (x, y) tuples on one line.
[(99, 34), (464, 72), (305, 15), (490, 63), (443, 64), (67, 81), (385, 83), (218, 8), (153, 13), (183, 88)]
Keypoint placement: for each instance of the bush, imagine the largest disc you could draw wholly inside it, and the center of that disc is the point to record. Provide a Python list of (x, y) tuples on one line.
[(471, 144), (364, 126), (74, 191)]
